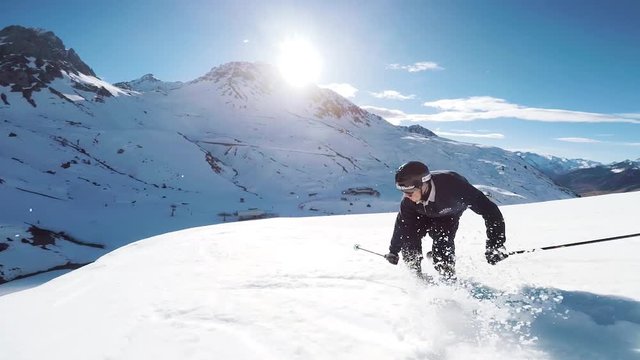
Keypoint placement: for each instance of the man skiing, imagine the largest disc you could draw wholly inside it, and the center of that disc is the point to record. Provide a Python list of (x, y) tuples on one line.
[(432, 204)]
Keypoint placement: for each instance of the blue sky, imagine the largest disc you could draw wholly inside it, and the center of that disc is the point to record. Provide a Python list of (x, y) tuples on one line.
[(556, 77)]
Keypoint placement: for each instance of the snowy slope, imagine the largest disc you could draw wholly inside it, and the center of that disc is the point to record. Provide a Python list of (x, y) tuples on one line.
[(89, 166), (295, 289)]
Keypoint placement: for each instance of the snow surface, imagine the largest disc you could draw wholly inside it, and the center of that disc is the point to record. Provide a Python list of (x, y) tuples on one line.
[(94, 81), (74, 97), (294, 288), (29, 282)]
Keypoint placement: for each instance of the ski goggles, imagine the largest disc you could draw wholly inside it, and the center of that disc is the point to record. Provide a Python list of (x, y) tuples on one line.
[(410, 189), (407, 189)]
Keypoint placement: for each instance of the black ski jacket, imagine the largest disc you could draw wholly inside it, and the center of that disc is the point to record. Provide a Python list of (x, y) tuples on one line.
[(453, 195)]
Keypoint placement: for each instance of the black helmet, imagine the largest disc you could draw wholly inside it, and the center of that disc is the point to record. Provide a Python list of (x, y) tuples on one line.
[(412, 175)]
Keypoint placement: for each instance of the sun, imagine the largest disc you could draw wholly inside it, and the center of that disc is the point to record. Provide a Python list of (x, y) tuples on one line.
[(299, 62)]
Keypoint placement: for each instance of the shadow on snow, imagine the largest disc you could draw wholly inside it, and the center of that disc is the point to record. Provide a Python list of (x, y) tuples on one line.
[(572, 324)]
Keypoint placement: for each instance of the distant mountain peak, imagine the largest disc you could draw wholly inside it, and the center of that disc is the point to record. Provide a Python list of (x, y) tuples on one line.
[(242, 71), (242, 80), (245, 82), (148, 82), (554, 166), (149, 77), (417, 129)]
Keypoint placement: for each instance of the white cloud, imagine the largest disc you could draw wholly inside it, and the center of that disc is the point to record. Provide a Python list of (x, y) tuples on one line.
[(246, 41), (392, 94), (472, 104), (396, 116), (346, 90), (578, 140), (391, 115), (631, 115), (486, 107), (623, 143), (469, 135), (416, 67), (594, 141)]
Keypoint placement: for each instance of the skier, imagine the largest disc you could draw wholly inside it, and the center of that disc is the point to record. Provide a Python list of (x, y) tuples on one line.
[(432, 204)]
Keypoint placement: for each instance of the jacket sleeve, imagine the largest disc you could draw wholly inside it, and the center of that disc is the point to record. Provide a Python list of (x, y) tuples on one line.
[(493, 220), (405, 227)]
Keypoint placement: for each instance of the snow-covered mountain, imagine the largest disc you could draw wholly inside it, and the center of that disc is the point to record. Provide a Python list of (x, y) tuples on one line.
[(554, 166), (603, 179), (35, 60), (88, 166), (295, 289), (586, 177), (420, 130), (148, 83)]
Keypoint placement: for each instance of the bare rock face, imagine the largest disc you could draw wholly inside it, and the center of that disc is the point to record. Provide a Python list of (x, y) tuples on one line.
[(31, 58)]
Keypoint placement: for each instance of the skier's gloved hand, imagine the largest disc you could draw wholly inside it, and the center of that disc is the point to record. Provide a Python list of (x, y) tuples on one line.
[(392, 258), (496, 255)]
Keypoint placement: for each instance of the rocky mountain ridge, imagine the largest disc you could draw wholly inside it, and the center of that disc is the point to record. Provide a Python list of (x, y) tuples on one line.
[(31, 60)]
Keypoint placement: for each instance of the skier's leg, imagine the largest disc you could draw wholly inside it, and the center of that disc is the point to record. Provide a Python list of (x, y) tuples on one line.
[(412, 250), (412, 256), (443, 232)]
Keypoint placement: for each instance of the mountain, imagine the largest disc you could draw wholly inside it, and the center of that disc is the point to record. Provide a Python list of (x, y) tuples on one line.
[(32, 60), (586, 177), (88, 172), (417, 129), (603, 179), (293, 288), (148, 83), (554, 166)]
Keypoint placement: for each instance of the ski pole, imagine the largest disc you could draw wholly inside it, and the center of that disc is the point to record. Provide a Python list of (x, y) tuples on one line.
[(574, 244), (357, 247)]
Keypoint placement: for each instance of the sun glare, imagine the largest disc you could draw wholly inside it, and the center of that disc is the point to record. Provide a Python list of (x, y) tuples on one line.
[(299, 62)]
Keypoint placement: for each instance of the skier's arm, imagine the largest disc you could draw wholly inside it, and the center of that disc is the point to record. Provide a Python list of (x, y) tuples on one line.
[(405, 226), (493, 220)]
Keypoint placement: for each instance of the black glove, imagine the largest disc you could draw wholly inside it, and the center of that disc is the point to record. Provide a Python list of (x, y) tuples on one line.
[(392, 258), (495, 255)]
